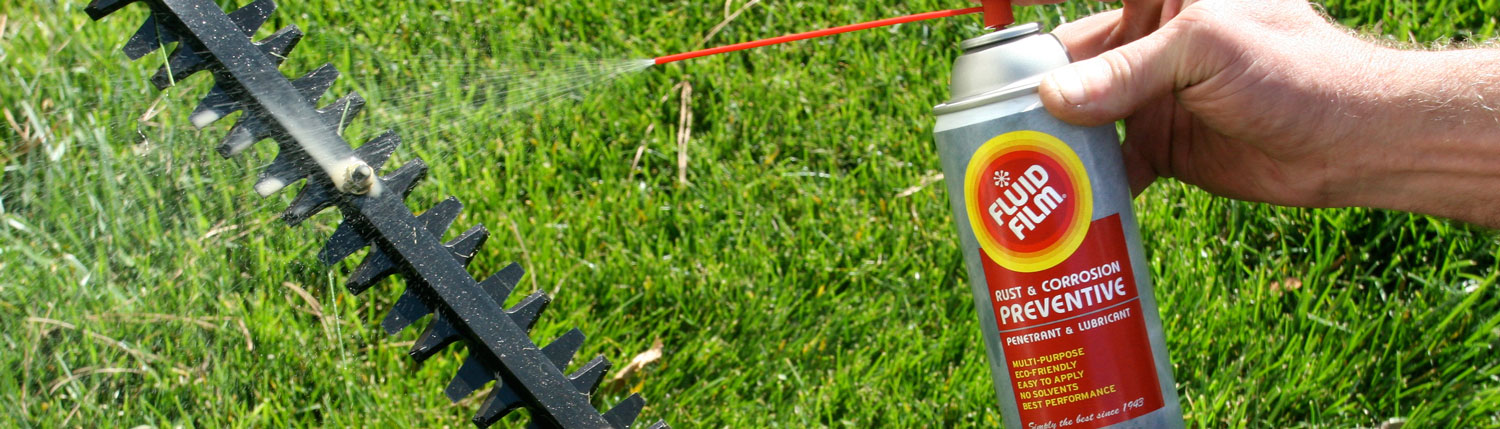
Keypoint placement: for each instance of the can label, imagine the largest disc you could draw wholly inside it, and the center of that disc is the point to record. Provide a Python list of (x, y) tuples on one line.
[(1061, 285)]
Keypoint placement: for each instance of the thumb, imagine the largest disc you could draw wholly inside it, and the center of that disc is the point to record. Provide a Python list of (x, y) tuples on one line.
[(1116, 83)]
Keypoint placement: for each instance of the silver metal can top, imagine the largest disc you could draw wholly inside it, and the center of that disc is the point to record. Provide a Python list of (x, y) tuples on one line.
[(1001, 65), (1001, 36)]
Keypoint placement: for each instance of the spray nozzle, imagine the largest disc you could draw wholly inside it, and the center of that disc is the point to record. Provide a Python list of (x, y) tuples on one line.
[(997, 14)]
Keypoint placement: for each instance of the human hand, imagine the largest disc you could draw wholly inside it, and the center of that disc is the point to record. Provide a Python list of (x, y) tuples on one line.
[(1244, 77), (1267, 101)]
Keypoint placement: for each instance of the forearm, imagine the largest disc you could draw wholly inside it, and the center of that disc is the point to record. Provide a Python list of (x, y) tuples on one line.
[(1432, 142)]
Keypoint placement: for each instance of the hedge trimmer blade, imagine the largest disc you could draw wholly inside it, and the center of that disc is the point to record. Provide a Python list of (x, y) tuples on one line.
[(312, 148)]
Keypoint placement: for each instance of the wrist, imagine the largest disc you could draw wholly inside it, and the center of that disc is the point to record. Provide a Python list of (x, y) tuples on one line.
[(1426, 134)]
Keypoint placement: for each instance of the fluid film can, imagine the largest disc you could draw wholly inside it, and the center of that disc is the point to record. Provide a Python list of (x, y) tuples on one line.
[(1052, 247)]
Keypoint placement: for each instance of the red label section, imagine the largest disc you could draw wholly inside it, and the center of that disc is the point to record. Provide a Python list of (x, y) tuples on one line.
[(1074, 336)]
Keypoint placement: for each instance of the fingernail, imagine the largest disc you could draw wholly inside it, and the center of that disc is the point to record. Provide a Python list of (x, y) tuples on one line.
[(1069, 85)]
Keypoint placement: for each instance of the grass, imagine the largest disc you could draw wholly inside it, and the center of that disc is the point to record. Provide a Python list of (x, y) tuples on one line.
[(142, 283)]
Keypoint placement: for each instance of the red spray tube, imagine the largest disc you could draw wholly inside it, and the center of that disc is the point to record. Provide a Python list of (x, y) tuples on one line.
[(997, 15)]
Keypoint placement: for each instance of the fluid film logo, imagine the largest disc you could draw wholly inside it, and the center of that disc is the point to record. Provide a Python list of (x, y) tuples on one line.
[(1028, 200)]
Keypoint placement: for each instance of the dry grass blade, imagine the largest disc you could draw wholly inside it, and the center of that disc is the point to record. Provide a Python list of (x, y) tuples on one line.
[(926, 181), (249, 344), (515, 230), (218, 228), (1286, 285), (316, 307), (727, 19), (636, 364), (53, 322), (636, 162), (399, 344), (151, 112), (87, 371), (684, 131), (668, 95), (144, 356), (202, 322), (28, 141)]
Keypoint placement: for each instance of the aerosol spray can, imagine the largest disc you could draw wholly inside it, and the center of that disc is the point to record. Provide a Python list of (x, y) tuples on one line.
[(1051, 243)]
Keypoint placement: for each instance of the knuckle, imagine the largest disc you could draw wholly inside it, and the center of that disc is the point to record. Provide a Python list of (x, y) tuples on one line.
[(1198, 22), (1122, 63)]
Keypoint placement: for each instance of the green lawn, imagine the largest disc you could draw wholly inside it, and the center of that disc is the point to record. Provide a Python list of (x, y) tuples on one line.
[(792, 279)]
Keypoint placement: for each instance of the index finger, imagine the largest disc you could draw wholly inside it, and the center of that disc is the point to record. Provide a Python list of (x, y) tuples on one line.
[(1090, 36)]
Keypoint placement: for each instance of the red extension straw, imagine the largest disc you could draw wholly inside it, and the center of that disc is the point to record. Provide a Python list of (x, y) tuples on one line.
[(999, 17)]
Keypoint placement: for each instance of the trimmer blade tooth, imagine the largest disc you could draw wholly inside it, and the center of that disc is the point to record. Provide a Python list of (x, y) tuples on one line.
[(214, 106), (279, 44), (377, 266), (379, 149), (660, 424), (313, 199), (318, 194), (374, 268), (624, 413), (501, 401), (341, 113), (220, 103), (529, 310), (344, 242), (100, 8), (251, 16), (441, 216), (561, 350), (290, 166), (183, 62), (471, 376), (247, 131), (499, 285), (587, 378), (405, 178), (437, 336), (293, 164), (409, 308), (466, 245), (313, 84), (150, 37)]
